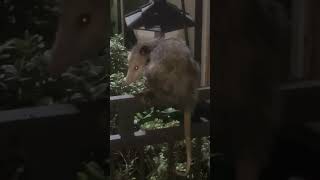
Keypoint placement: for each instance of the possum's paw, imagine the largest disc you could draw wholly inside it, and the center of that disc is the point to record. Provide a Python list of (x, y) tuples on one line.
[(147, 101), (145, 98)]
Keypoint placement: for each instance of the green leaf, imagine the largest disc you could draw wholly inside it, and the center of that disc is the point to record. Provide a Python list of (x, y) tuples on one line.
[(100, 90), (3, 86), (95, 171), (9, 69), (5, 56), (82, 176), (169, 111)]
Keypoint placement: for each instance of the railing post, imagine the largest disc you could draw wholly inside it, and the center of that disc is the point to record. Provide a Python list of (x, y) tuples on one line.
[(141, 163), (126, 118), (171, 162)]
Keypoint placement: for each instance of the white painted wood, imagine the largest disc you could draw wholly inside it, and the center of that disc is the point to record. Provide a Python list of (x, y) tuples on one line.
[(114, 14)]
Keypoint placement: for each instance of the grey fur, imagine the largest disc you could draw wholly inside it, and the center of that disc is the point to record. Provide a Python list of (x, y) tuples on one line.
[(172, 74)]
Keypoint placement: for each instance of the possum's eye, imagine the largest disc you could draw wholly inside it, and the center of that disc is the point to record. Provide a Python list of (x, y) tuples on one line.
[(136, 67), (84, 19)]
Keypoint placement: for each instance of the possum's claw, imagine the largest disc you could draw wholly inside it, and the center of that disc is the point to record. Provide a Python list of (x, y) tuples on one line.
[(146, 98), (147, 101)]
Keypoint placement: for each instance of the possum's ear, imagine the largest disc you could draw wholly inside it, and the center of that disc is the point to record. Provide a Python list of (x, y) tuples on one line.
[(144, 50)]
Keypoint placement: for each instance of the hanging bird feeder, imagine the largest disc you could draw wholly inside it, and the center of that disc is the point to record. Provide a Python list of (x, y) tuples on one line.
[(160, 17)]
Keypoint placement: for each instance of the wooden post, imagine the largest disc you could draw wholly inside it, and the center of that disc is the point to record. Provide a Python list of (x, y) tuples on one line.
[(205, 50), (297, 50), (186, 36), (122, 17), (315, 63), (198, 30)]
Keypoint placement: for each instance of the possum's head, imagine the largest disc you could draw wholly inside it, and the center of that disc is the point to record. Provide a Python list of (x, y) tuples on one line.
[(137, 60), (81, 33)]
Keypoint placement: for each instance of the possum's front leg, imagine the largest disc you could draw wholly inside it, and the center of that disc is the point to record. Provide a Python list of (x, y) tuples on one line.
[(149, 98), (146, 97)]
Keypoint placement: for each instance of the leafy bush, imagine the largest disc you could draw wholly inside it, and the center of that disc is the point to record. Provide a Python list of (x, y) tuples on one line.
[(118, 55), (92, 171), (34, 15), (24, 80), (21, 70), (117, 86)]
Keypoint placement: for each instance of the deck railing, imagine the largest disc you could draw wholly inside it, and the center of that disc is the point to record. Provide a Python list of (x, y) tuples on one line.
[(51, 140)]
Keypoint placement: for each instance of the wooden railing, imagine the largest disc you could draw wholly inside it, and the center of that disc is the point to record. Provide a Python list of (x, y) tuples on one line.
[(53, 140), (126, 107)]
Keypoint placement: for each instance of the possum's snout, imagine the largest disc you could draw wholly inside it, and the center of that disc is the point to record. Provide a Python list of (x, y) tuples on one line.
[(127, 81)]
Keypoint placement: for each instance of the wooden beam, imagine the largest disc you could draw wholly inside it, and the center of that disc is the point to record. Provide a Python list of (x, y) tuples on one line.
[(41, 112), (205, 50), (158, 136), (315, 62), (129, 100), (122, 17)]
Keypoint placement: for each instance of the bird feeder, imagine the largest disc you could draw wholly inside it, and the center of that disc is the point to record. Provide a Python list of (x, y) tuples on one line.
[(158, 16)]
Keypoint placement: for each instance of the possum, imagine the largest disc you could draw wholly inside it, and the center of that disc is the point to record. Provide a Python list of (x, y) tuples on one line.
[(172, 78)]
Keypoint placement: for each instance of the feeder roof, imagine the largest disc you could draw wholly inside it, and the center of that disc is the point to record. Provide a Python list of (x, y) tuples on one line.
[(158, 16)]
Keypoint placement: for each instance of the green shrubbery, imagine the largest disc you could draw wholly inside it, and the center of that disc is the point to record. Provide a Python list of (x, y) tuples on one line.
[(24, 80)]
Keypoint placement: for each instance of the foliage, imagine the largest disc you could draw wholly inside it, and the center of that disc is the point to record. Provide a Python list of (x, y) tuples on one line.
[(24, 80), (117, 86), (157, 119), (34, 15), (118, 55), (92, 171), (21, 70)]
